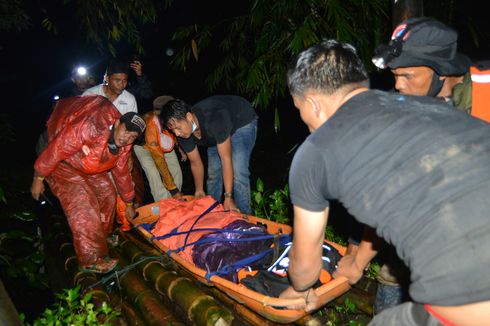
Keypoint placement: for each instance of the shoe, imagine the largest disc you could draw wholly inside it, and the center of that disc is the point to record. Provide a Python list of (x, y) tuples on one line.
[(101, 266), (113, 240)]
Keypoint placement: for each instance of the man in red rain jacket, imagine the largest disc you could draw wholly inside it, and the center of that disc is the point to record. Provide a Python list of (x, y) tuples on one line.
[(88, 137)]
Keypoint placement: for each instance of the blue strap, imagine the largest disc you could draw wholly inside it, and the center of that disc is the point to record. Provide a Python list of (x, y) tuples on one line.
[(147, 226), (211, 239), (210, 208), (232, 268), (171, 234)]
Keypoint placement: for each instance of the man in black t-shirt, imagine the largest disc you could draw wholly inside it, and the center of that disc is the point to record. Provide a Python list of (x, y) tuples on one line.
[(413, 170), (227, 126)]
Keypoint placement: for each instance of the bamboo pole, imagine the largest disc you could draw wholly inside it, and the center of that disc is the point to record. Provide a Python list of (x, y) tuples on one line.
[(146, 301), (199, 308)]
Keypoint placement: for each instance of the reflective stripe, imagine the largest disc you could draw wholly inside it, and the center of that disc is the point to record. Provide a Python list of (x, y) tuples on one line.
[(480, 78)]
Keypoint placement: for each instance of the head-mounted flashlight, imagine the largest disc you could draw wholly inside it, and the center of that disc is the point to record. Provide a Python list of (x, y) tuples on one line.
[(81, 71), (385, 53)]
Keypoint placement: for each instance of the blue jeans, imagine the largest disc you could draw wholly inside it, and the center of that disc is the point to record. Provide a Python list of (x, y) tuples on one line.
[(242, 144)]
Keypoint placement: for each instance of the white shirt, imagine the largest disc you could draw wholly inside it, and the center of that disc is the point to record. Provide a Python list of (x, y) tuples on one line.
[(124, 103)]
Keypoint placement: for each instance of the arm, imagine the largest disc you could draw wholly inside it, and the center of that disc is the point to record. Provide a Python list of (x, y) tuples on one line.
[(197, 169), (69, 141), (353, 267), (152, 135), (224, 151), (122, 177), (142, 88), (305, 257)]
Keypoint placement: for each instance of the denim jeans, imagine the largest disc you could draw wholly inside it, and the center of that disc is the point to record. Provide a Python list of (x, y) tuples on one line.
[(242, 144)]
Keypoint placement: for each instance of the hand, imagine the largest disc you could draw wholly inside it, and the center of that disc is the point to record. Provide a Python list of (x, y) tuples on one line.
[(137, 67), (178, 196), (130, 213), (199, 194), (348, 267), (311, 299), (37, 188), (183, 155), (229, 205)]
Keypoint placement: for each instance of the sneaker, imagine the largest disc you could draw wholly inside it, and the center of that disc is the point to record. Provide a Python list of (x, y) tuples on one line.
[(101, 266), (113, 240)]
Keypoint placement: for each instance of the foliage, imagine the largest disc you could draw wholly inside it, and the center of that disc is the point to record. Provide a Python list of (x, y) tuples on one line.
[(2, 196), (72, 309), (259, 45), (271, 204), (13, 16), (105, 22), (347, 307), (330, 235), (21, 253), (7, 133), (343, 314), (372, 270)]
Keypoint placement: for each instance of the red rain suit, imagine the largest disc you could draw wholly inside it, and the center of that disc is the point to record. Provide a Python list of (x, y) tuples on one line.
[(76, 164)]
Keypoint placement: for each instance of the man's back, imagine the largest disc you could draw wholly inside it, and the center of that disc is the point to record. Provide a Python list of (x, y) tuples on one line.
[(415, 170)]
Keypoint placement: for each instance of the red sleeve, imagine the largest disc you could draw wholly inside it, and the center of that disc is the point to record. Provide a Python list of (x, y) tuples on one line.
[(66, 143), (122, 176)]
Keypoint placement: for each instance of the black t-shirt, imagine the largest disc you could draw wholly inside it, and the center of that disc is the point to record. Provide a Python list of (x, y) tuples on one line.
[(417, 171), (219, 117)]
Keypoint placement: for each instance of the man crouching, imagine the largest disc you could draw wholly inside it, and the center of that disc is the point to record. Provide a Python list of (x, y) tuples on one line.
[(88, 137)]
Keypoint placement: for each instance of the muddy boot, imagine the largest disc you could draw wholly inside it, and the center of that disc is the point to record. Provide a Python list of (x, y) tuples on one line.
[(101, 266)]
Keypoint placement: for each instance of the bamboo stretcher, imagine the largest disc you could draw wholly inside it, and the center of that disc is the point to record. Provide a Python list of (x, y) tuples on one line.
[(272, 308)]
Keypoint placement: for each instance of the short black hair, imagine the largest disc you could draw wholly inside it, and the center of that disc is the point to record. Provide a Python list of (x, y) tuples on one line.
[(173, 110), (326, 67), (117, 67)]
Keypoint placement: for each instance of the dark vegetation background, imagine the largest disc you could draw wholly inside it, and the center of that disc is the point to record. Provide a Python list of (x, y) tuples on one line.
[(36, 64)]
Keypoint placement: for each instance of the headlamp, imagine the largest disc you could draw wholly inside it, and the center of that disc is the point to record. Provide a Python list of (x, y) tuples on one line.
[(382, 56), (385, 53), (81, 71)]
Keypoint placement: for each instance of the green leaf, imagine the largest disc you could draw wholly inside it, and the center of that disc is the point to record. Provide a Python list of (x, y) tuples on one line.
[(260, 185)]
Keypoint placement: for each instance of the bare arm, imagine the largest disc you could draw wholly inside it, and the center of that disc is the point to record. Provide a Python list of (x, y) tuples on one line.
[(353, 267), (224, 151), (197, 169), (305, 257)]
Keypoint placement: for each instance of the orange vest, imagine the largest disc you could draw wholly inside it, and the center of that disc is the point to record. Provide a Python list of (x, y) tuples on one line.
[(480, 91)]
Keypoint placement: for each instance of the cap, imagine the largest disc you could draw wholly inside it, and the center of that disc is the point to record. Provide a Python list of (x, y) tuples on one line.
[(133, 122), (160, 101), (423, 42), (117, 67)]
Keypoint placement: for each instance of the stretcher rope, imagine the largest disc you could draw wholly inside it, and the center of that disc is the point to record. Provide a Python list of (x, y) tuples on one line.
[(113, 277)]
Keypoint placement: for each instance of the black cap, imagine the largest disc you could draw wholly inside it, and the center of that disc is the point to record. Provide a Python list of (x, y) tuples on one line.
[(117, 67), (423, 42), (133, 122)]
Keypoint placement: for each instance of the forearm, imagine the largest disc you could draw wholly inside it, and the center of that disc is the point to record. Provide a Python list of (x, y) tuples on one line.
[(367, 248), (303, 274), (197, 169), (167, 178), (305, 257), (123, 179), (227, 170)]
